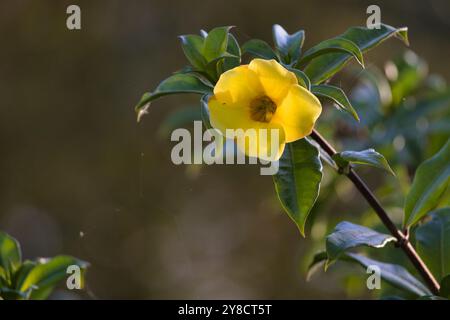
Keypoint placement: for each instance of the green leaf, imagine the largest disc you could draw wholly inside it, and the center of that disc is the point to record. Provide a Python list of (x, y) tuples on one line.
[(193, 50), (365, 157), (347, 235), (297, 181), (337, 44), (288, 45), (177, 83), (48, 273), (394, 274), (10, 254), (433, 243), (22, 273), (445, 287), (302, 78), (325, 66), (336, 95), (216, 43), (260, 49), (430, 182), (234, 50)]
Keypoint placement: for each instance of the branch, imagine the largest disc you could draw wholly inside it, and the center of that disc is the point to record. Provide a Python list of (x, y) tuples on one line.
[(402, 240)]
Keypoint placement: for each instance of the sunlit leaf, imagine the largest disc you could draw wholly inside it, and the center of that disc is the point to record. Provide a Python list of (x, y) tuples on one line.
[(177, 83), (325, 66), (429, 185), (336, 95), (216, 43), (46, 274), (10, 254), (365, 157), (338, 44), (297, 181), (347, 235)]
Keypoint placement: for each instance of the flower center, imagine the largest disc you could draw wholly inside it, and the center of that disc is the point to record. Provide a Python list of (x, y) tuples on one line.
[(262, 109)]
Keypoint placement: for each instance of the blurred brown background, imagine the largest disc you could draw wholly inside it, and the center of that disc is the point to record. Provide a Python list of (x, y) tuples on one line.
[(78, 175)]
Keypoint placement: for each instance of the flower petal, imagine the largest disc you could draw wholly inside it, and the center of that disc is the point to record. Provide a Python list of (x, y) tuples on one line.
[(298, 113), (275, 79), (238, 85), (224, 116), (256, 139), (266, 142)]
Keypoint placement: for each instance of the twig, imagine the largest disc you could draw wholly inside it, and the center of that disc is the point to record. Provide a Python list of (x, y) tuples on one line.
[(402, 239)]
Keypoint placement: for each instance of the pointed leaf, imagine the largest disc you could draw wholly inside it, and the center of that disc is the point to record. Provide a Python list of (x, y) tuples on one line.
[(216, 43), (337, 44), (297, 181), (260, 49), (10, 254), (336, 95), (325, 66), (48, 273), (177, 83), (192, 45), (366, 157), (288, 45), (433, 243), (394, 274), (429, 185), (347, 235)]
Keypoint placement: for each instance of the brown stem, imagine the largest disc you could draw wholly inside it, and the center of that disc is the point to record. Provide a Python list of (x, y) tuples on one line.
[(402, 240)]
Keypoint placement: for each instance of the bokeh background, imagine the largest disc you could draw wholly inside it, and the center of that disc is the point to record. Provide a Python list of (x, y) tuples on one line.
[(79, 176)]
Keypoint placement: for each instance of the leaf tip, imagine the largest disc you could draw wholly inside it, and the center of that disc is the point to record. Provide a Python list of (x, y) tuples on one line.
[(402, 34), (142, 111)]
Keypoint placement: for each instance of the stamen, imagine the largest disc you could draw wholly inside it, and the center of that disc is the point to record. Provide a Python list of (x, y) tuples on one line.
[(262, 109)]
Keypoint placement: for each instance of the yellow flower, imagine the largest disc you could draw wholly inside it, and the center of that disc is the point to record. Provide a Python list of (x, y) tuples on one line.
[(263, 95)]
